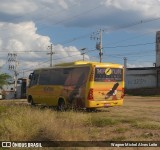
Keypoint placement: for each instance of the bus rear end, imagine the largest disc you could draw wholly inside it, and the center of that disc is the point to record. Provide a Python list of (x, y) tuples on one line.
[(106, 86)]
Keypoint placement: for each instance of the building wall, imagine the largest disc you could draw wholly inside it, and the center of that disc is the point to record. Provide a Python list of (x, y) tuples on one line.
[(9, 91), (141, 79)]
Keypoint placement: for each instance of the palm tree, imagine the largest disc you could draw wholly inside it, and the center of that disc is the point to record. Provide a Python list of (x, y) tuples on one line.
[(3, 79)]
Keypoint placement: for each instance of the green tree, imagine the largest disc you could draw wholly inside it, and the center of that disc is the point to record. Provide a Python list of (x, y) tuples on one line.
[(4, 78)]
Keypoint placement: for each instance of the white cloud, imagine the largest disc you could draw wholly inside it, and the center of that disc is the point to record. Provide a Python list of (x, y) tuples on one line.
[(143, 7), (17, 6), (23, 37), (63, 4), (71, 12)]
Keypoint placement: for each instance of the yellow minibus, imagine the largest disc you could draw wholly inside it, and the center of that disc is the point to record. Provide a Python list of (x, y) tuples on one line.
[(78, 84)]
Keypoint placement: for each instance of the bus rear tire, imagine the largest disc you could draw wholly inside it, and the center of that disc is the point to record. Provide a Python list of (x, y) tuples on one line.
[(61, 105)]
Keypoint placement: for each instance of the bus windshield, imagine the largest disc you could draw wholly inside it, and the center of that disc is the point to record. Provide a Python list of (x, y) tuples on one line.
[(108, 74)]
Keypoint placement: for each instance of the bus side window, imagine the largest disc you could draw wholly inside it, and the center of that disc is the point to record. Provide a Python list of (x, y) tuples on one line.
[(67, 70), (77, 76), (30, 76), (57, 77), (44, 78), (53, 77)]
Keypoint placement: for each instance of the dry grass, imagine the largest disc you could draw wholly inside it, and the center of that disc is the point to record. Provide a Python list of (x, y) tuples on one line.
[(137, 119), (25, 123)]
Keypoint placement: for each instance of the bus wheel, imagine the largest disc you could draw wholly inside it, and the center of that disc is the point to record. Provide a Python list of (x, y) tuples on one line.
[(91, 109), (32, 102), (61, 105)]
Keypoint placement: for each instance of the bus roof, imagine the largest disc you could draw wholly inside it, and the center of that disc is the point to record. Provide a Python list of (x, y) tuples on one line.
[(85, 63), (82, 63)]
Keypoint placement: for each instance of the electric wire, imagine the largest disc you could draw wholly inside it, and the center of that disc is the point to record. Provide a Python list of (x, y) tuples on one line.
[(132, 45)]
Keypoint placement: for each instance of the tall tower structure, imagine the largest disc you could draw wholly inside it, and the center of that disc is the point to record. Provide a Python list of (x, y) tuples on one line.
[(158, 49)]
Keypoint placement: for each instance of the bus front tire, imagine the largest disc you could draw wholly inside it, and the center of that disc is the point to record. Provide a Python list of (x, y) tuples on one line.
[(61, 105), (91, 109), (32, 102)]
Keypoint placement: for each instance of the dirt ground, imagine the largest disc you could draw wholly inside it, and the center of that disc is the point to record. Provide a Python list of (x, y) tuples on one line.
[(137, 100)]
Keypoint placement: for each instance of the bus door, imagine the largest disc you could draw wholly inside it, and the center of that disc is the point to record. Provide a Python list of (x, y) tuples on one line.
[(23, 88), (33, 86), (108, 84)]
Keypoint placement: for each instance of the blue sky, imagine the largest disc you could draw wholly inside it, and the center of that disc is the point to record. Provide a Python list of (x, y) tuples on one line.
[(129, 30)]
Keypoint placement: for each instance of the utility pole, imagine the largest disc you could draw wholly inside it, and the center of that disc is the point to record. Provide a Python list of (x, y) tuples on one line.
[(125, 67), (23, 73), (125, 62), (83, 53), (13, 66), (51, 53), (100, 46), (98, 36)]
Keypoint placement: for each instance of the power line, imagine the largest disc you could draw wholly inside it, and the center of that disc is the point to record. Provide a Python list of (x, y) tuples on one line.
[(110, 55), (131, 54), (78, 15), (63, 58), (75, 38), (24, 51), (29, 69), (132, 24), (74, 55), (115, 29), (132, 38), (139, 44), (139, 61), (32, 51), (131, 45), (115, 56)]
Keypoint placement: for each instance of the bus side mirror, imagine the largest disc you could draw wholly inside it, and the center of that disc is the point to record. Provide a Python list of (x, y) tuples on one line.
[(30, 76)]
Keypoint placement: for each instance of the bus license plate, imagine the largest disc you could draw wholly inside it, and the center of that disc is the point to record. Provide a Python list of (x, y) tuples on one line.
[(106, 105)]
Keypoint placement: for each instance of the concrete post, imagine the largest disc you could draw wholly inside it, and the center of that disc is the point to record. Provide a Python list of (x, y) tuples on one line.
[(158, 49)]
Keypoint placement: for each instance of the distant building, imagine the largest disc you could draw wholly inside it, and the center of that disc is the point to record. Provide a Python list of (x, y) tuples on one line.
[(1, 96), (146, 77), (8, 90)]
